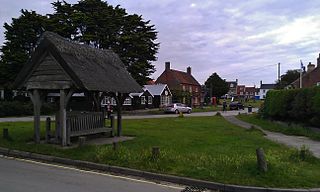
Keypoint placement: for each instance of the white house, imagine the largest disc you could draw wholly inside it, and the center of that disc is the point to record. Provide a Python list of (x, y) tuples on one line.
[(264, 88)]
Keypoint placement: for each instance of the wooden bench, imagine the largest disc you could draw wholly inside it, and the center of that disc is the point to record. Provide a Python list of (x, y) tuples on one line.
[(85, 123)]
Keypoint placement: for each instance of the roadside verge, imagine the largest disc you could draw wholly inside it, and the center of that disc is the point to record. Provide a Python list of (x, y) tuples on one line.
[(143, 174)]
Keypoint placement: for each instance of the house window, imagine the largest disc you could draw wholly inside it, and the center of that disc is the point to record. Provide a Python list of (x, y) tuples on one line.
[(231, 85), (318, 84), (149, 100), (263, 90), (196, 100), (127, 101), (190, 89), (197, 89), (183, 87), (143, 100), (165, 100)]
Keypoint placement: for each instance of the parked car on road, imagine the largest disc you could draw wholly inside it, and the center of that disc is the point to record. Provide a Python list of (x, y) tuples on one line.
[(236, 105), (177, 108)]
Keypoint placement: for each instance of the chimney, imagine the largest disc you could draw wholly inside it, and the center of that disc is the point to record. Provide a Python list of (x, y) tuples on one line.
[(260, 83), (237, 81), (310, 67), (167, 65), (318, 61), (189, 70)]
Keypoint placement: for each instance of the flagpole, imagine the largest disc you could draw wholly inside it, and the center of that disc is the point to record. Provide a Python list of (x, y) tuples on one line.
[(301, 74)]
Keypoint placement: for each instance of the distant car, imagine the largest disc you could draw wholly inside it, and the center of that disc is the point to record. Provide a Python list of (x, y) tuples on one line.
[(236, 106), (177, 108)]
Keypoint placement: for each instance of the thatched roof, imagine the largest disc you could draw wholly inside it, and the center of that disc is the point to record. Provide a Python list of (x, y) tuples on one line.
[(84, 67)]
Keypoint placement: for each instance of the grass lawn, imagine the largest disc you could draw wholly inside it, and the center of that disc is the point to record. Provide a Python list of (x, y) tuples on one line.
[(277, 127), (207, 148)]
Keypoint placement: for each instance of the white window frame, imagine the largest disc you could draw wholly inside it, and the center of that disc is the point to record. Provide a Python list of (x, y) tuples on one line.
[(143, 100), (150, 100), (127, 101)]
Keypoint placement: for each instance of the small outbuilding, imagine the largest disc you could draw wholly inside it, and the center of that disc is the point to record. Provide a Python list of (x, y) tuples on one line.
[(62, 66)]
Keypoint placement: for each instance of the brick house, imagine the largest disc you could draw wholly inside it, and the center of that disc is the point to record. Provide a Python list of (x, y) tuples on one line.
[(310, 78), (241, 91), (250, 92), (184, 87)]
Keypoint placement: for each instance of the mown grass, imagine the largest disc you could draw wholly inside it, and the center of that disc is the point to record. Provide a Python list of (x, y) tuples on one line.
[(291, 129), (207, 148)]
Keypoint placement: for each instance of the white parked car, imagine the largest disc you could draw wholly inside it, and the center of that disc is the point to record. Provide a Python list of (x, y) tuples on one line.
[(177, 108)]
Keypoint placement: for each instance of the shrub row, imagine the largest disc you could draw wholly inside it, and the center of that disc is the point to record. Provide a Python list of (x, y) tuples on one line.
[(298, 105), (18, 108)]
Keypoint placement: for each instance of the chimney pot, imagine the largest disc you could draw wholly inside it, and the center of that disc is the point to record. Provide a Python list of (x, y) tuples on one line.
[(189, 70), (167, 64), (260, 82)]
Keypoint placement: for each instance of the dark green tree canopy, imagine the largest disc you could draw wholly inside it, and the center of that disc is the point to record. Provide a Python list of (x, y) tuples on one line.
[(93, 22), (287, 78), (216, 85)]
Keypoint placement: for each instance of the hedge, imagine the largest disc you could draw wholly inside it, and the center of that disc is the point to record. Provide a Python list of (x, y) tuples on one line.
[(298, 105), (18, 108)]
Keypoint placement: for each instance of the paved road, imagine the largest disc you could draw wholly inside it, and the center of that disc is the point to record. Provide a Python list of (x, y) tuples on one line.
[(200, 114), (26, 176), (291, 141)]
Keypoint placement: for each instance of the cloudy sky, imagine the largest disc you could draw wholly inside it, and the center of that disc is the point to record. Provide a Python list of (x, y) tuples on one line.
[(237, 39)]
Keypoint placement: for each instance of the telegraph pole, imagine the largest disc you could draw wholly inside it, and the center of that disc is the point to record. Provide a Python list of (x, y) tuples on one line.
[(278, 72)]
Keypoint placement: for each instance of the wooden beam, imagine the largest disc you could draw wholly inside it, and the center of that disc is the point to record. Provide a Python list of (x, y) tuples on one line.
[(36, 100), (64, 100), (63, 118), (119, 97)]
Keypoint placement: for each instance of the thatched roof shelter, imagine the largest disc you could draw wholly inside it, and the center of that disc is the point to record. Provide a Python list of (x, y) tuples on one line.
[(58, 64)]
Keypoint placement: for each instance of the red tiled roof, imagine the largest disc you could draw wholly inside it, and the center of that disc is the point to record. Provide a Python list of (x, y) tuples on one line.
[(173, 77)]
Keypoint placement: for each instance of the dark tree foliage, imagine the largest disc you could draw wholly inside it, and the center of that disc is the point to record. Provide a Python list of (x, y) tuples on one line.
[(20, 40), (216, 85), (93, 22), (287, 79)]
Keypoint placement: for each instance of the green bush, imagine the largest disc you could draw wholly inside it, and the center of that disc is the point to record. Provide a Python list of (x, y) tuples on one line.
[(18, 108), (299, 105)]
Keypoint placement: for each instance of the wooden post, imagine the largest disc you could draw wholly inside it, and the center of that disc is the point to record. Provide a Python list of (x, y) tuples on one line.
[(58, 128), (112, 125), (114, 145), (262, 163), (82, 141), (119, 121), (63, 118), (64, 99), (35, 98), (5, 133), (48, 129), (155, 152)]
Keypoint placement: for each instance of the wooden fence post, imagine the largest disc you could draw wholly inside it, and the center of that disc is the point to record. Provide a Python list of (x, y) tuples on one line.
[(48, 129)]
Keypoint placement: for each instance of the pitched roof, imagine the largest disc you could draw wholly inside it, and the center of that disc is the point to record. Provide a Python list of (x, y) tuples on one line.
[(156, 89), (174, 77), (89, 68), (267, 86)]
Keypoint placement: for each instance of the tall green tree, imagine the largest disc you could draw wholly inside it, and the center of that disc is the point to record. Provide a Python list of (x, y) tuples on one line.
[(287, 78), (93, 22), (21, 37), (216, 85)]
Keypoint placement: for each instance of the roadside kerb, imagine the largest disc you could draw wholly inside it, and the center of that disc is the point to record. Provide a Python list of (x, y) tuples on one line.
[(144, 174)]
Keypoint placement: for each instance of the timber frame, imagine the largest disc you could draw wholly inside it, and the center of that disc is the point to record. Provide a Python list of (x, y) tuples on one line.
[(59, 65)]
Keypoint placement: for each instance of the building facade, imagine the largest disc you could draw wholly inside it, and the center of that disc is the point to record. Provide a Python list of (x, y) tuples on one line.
[(184, 87)]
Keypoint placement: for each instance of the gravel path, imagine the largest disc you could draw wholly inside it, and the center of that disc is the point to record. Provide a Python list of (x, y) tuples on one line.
[(291, 141)]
